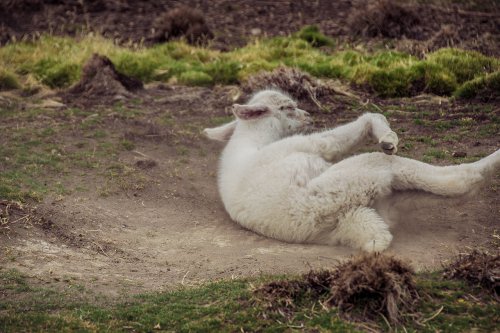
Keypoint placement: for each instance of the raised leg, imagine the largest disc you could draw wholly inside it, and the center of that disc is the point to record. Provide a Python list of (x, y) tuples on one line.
[(335, 144), (343, 140)]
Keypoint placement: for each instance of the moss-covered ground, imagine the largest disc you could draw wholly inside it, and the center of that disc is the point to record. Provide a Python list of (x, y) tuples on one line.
[(56, 62)]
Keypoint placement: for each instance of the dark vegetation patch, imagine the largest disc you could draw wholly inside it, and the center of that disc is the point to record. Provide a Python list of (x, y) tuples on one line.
[(477, 268), (181, 22), (315, 37), (362, 288), (146, 164), (385, 18), (101, 79), (295, 82)]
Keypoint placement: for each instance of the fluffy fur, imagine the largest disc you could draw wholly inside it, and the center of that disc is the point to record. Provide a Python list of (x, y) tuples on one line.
[(303, 189)]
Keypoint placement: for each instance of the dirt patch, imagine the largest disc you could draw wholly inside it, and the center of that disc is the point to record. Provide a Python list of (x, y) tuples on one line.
[(131, 225), (101, 82), (235, 23), (383, 18), (478, 269)]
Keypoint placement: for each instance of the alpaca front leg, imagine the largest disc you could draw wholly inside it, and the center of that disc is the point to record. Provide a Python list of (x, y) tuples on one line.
[(363, 228), (343, 140)]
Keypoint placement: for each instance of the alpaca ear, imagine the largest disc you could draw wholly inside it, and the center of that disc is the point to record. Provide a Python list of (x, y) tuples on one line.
[(221, 133), (251, 112)]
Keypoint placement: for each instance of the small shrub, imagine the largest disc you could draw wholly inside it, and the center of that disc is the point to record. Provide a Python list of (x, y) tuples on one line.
[(8, 81), (195, 78), (313, 36)]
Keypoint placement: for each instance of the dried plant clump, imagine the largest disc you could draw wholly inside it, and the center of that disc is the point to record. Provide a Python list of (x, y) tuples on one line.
[(374, 284), (384, 18), (14, 213), (101, 79), (477, 268), (298, 84), (181, 22), (366, 286)]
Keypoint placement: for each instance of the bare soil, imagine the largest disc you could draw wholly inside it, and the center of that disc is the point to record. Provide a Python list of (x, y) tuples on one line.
[(470, 25), (164, 225)]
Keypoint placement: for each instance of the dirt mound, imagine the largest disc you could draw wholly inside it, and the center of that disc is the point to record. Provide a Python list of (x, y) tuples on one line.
[(384, 18), (181, 22), (366, 286), (298, 84), (478, 269), (100, 81)]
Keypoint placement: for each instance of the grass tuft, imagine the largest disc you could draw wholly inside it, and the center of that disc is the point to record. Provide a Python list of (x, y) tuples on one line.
[(8, 80), (485, 87), (313, 36)]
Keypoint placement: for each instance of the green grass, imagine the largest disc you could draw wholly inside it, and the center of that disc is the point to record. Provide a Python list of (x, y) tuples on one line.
[(224, 306), (56, 62), (37, 154)]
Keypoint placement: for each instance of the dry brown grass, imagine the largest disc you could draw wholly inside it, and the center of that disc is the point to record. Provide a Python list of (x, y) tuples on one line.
[(362, 288), (298, 84), (13, 214), (478, 269)]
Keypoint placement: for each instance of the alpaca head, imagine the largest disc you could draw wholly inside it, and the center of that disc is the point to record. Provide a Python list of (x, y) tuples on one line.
[(269, 113)]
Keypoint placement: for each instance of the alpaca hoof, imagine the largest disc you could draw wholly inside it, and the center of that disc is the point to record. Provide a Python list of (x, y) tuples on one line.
[(389, 143)]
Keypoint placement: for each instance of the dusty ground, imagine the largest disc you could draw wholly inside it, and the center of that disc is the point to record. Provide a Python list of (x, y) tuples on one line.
[(150, 217), (163, 225)]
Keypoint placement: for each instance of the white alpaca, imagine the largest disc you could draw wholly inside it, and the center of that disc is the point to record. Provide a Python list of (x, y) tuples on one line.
[(300, 189)]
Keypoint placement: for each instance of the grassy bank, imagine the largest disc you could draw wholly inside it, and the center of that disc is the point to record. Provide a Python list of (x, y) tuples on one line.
[(56, 62), (226, 306)]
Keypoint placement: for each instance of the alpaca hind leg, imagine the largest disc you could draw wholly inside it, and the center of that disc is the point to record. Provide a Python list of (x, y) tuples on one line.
[(451, 181), (362, 228)]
